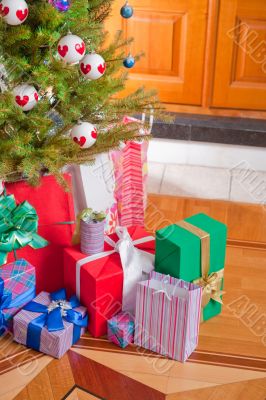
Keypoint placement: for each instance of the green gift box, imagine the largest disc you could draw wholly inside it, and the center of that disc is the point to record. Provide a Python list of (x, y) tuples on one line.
[(194, 250)]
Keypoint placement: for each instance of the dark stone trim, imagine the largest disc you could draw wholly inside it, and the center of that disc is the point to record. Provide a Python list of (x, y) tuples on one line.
[(210, 129)]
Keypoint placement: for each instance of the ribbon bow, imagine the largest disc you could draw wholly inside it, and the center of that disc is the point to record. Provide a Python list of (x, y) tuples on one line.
[(211, 283), (18, 227), (52, 317), (135, 263)]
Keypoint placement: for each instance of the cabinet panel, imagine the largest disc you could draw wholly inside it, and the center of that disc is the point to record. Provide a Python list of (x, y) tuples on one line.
[(240, 71), (172, 34)]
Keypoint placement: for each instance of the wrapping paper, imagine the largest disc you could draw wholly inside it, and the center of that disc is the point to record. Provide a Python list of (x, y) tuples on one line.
[(168, 316), (121, 329), (53, 205), (18, 279), (130, 169), (193, 249), (54, 343), (106, 283)]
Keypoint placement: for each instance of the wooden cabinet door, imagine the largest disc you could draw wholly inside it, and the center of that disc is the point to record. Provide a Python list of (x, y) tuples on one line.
[(240, 71), (172, 34)]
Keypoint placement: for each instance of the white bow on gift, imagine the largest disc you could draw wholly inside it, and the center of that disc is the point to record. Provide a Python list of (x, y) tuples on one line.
[(136, 264)]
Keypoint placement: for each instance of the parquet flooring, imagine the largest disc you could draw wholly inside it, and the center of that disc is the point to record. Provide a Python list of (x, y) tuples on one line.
[(229, 363)]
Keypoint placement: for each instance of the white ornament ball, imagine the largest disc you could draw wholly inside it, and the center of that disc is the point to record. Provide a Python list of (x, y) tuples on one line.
[(14, 12), (92, 66), (26, 96), (71, 49), (84, 134)]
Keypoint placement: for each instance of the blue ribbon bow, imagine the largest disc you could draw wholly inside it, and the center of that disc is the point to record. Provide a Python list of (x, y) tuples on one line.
[(52, 317), (6, 302)]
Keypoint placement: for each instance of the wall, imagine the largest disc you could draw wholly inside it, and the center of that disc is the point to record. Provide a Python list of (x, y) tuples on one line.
[(203, 170)]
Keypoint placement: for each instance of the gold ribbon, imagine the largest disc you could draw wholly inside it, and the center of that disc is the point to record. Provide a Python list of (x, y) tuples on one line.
[(211, 283)]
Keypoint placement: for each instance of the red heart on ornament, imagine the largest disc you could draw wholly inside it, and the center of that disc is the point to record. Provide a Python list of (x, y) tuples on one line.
[(102, 68), (81, 141), (22, 101), (62, 50), (80, 48), (36, 96), (94, 134), (22, 14), (85, 68), (4, 11)]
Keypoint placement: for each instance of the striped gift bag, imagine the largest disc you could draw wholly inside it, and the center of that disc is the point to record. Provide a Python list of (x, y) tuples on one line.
[(168, 316)]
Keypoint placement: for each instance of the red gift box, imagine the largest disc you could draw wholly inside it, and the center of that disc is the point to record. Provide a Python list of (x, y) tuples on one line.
[(53, 205), (101, 280)]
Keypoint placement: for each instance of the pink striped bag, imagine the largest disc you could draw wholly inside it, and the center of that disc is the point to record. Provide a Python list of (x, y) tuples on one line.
[(168, 316)]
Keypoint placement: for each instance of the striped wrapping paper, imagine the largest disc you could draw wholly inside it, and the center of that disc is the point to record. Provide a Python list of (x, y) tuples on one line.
[(52, 343), (168, 316), (92, 237), (130, 168), (18, 277)]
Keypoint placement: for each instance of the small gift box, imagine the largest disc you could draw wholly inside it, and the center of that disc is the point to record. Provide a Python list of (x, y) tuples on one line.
[(50, 323), (107, 282), (121, 329), (17, 288), (194, 250), (168, 316)]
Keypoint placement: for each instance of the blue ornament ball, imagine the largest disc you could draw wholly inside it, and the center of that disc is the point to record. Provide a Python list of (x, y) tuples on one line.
[(61, 5), (129, 62), (126, 11)]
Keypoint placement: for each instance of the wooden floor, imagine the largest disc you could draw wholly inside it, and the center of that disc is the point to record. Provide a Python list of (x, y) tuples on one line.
[(229, 363)]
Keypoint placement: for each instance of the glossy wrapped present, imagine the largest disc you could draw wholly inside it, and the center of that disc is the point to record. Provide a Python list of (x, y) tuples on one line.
[(121, 329), (17, 288), (51, 324), (106, 282), (55, 210)]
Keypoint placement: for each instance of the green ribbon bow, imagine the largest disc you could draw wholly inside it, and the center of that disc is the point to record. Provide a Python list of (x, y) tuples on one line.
[(18, 227)]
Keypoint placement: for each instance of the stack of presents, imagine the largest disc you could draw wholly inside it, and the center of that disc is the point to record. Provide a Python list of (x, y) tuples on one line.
[(153, 292)]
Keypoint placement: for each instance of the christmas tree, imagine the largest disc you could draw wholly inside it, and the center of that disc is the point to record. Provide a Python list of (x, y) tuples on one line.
[(56, 73)]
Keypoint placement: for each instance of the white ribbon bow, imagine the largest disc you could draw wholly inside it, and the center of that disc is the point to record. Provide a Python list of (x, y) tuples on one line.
[(136, 264)]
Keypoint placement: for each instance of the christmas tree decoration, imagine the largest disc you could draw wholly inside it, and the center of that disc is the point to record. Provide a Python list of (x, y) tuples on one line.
[(126, 11), (71, 48), (129, 62), (14, 12), (26, 97), (84, 134), (92, 66), (61, 5), (46, 51)]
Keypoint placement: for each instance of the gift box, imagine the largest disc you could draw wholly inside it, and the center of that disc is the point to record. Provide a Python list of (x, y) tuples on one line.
[(50, 324), (121, 329), (130, 170), (194, 250), (168, 316), (17, 288), (106, 282), (54, 207)]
